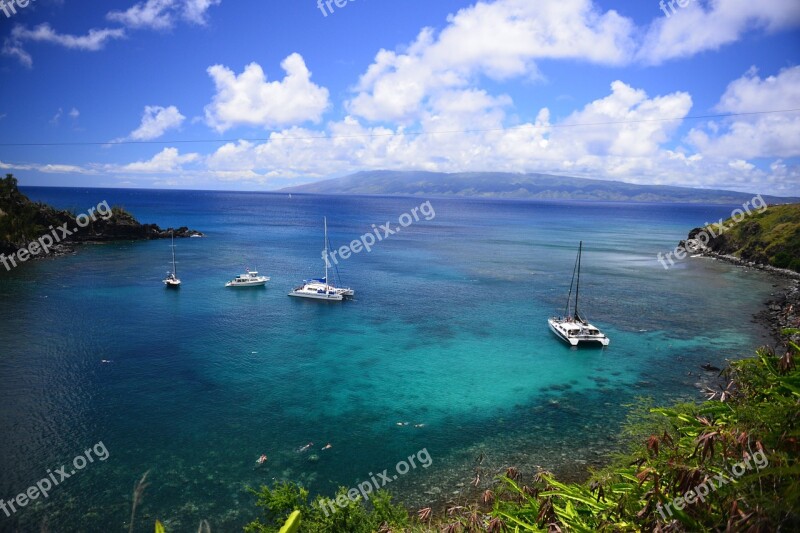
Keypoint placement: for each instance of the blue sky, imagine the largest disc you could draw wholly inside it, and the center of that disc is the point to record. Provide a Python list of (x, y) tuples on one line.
[(281, 94)]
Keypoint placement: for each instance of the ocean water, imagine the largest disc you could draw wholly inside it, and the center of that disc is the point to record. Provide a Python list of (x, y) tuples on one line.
[(448, 331)]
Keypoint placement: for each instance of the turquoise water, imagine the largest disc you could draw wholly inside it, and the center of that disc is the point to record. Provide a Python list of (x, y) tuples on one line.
[(448, 329)]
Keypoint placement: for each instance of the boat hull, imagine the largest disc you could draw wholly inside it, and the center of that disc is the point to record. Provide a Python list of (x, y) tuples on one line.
[(246, 285), (316, 296), (577, 339)]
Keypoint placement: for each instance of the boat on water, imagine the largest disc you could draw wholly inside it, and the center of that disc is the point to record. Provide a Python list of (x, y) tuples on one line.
[(323, 288), (172, 281), (248, 279), (572, 328)]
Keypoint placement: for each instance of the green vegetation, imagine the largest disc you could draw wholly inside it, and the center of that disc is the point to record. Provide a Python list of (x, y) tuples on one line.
[(771, 237), (20, 219), (754, 416), (282, 499), (746, 434)]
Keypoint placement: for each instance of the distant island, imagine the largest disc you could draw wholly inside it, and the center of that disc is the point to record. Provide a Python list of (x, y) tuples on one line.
[(23, 222), (517, 186)]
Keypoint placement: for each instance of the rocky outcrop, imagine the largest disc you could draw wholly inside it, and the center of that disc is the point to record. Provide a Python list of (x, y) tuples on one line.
[(767, 240), (23, 221)]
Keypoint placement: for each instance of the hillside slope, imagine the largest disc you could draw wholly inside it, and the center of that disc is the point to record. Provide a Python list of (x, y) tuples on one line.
[(771, 237)]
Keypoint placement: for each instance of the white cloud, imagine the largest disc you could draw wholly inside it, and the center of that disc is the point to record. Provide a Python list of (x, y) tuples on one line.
[(754, 136), (249, 99), (161, 14), (153, 14), (195, 10), (74, 113), (155, 121), (57, 117), (93, 41), (14, 49), (167, 161), (709, 26), (149, 14), (772, 93), (500, 40)]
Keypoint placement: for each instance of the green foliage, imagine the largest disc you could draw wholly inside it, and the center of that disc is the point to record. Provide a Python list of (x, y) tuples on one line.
[(279, 501), (771, 236), (756, 418)]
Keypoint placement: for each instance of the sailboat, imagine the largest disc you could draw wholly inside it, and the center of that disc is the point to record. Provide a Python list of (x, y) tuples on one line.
[(321, 288), (172, 281), (572, 328)]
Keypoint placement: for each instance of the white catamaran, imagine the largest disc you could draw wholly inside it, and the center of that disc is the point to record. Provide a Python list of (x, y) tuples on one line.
[(321, 288), (572, 328), (172, 281)]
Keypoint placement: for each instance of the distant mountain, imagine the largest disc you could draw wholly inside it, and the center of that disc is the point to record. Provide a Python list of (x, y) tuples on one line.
[(508, 185)]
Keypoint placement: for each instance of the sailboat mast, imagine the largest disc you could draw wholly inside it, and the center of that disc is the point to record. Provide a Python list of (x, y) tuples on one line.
[(326, 254), (578, 285), (174, 269), (571, 286)]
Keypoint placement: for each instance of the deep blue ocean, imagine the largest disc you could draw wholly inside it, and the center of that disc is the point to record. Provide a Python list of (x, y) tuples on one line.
[(447, 331)]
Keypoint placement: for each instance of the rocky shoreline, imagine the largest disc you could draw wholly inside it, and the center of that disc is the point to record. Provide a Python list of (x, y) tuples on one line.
[(34, 230), (782, 310)]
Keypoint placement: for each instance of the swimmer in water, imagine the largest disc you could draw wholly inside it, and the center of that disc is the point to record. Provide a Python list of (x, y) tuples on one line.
[(306, 447), (328, 446), (261, 460)]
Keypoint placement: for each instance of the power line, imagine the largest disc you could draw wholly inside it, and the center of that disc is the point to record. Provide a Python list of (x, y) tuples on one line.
[(397, 134)]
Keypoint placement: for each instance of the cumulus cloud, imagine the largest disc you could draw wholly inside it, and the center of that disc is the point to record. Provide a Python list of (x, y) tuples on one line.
[(755, 136), (249, 99), (167, 161), (499, 40), (699, 27), (155, 121)]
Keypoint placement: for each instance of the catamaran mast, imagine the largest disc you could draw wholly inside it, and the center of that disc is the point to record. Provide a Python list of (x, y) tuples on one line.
[(567, 313), (326, 255), (578, 285), (174, 270)]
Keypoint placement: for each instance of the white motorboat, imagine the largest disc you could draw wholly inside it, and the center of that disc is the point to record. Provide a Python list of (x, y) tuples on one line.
[(572, 328), (172, 281), (249, 279), (322, 288)]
